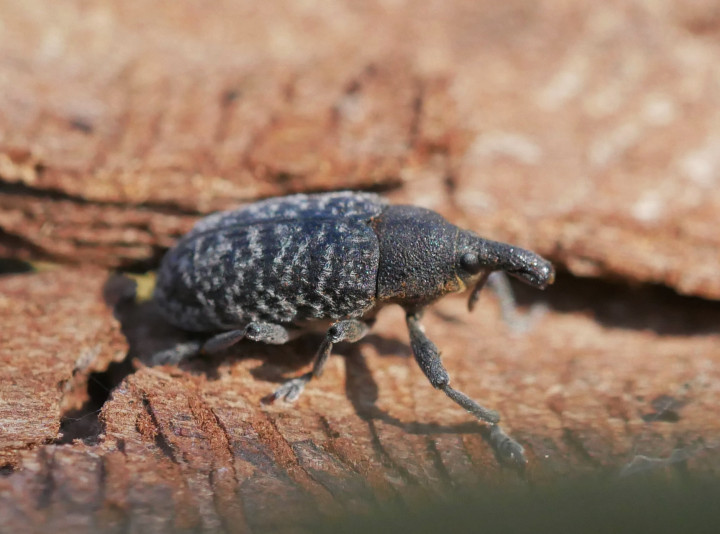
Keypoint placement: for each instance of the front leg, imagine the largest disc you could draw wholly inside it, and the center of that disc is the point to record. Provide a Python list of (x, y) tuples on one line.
[(428, 357), (349, 330)]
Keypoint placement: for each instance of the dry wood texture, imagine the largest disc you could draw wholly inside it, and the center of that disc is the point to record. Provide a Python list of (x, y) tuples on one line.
[(603, 380), (588, 131)]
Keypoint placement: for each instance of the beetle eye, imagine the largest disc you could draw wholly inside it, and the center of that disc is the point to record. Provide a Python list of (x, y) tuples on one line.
[(470, 262)]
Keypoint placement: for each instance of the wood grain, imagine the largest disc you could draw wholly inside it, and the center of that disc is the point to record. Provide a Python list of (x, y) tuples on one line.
[(585, 131), (602, 383)]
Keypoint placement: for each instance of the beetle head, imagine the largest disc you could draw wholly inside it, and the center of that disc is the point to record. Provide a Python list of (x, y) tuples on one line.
[(423, 257)]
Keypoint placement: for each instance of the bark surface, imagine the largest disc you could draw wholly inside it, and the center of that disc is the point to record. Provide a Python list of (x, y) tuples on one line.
[(585, 131)]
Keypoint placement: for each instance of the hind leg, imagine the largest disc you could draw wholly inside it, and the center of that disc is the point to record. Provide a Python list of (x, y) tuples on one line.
[(270, 333), (349, 330), (273, 334)]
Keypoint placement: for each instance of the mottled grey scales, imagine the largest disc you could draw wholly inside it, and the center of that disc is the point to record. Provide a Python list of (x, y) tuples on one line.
[(265, 269), (287, 260)]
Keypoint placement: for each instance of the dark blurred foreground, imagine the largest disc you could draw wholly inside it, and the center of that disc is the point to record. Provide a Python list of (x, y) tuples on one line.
[(644, 504)]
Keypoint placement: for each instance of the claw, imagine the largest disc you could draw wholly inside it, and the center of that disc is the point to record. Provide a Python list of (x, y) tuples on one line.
[(290, 391), (507, 448)]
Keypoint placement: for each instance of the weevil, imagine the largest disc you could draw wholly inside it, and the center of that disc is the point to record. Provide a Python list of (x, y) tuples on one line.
[(275, 268)]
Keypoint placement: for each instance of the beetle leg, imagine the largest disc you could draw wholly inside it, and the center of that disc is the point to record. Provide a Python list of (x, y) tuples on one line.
[(273, 334), (176, 354), (222, 341), (428, 357), (348, 330), (270, 333), (519, 322)]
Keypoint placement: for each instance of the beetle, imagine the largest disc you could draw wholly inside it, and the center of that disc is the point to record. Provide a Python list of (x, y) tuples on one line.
[(275, 268)]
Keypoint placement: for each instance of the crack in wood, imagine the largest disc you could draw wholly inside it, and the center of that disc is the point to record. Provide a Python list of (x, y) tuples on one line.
[(228, 440), (355, 370), (84, 422), (47, 476), (285, 455), (227, 103), (331, 446), (575, 442), (155, 433), (14, 243), (437, 459), (19, 189), (387, 460), (417, 106), (214, 429)]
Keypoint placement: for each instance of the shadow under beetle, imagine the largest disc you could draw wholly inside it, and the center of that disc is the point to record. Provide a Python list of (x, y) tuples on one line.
[(273, 269)]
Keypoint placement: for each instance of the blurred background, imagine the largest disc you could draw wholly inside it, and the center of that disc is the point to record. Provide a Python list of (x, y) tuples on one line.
[(586, 131)]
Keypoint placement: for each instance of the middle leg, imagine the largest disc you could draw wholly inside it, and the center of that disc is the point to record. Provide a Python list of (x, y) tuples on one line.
[(348, 330)]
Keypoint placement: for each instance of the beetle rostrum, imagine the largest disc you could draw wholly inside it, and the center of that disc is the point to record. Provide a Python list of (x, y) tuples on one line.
[(270, 270)]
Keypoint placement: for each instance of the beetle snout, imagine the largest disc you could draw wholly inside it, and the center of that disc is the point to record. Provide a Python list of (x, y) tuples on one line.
[(519, 263)]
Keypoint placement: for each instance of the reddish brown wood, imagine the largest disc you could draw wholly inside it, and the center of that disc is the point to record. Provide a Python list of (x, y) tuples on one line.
[(602, 380), (584, 130), (593, 142)]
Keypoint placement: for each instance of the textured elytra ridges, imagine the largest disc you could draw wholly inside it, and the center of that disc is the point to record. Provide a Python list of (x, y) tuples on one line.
[(283, 260), (342, 204)]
